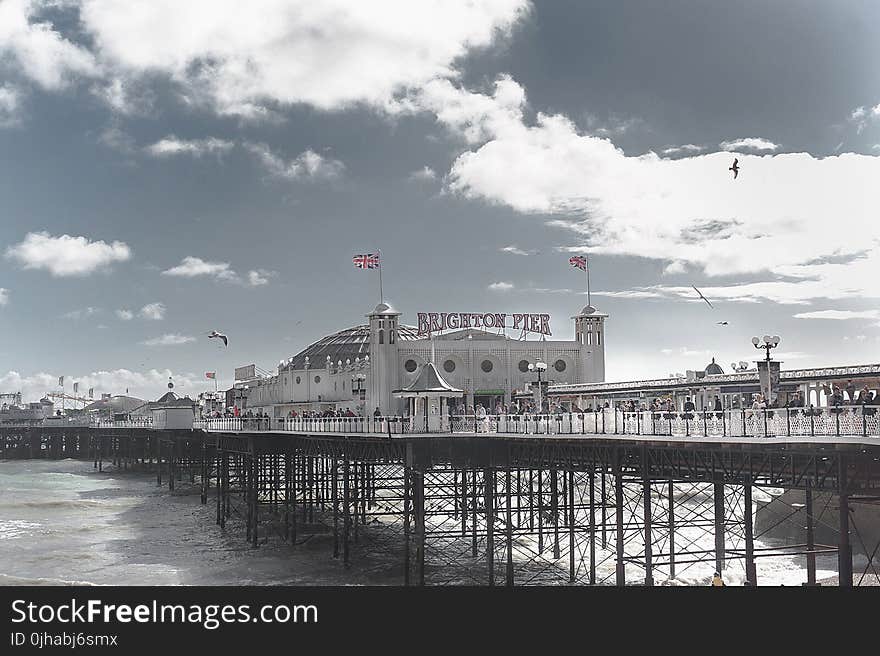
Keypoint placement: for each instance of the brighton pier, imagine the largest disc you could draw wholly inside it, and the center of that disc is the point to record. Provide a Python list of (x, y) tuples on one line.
[(611, 487)]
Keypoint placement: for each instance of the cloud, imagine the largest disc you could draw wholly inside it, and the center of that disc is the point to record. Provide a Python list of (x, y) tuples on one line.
[(861, 116), (749, 143), (424, 174), (501, 286), (66, 255), (148, 385), (259, 277), (171, 146), (308, 164), (513, 250), (839, 315), (676, 266), (772, 222), (114, 137), (687, 352), (10, 105), (191, 267), (244, 58), (169, 339), (41, 53), (81, 314), (684, 148), (125, 315), (153, 311), (4, 296)]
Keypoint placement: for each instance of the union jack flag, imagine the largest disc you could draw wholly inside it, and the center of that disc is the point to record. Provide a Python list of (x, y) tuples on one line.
[(366, 261), (210, 374), (579, 262)]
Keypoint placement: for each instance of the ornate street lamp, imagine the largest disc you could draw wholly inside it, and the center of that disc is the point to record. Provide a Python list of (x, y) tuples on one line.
[(539, 367), (769, 343)]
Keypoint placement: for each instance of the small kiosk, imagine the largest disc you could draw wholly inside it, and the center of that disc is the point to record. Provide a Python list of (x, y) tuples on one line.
[(427, 400)]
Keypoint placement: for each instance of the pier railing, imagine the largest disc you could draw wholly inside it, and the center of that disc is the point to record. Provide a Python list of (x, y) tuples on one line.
[(775, 422), (134, 422)]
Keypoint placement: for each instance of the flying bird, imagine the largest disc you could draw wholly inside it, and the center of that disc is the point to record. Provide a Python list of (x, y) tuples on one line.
[(722, 323), (734, 168), (214, 333), (703, 297)]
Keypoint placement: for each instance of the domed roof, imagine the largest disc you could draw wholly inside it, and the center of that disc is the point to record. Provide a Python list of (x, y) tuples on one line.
[(713, 369), (588, 309), (115, 404), (345, 345), (383, 308)]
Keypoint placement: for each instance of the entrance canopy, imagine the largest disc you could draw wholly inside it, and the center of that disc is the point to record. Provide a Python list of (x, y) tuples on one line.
[(429, 383)]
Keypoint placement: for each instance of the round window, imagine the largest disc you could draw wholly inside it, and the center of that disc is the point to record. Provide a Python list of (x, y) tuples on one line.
[(486, 366), (559, 365), (317, 379), (524, 365), (410, 365), (449, 366), (298, 380)]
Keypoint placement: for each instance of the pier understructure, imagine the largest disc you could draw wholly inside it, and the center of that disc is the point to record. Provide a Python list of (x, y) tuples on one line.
[(514, 509)]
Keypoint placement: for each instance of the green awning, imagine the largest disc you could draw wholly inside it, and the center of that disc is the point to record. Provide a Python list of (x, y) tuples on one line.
[(489, 392)]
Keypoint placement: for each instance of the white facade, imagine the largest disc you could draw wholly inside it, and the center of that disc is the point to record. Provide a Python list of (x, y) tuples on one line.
[(385, 355)]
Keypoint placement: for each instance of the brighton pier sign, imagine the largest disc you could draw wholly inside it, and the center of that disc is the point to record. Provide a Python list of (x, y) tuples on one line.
[(434, 322)]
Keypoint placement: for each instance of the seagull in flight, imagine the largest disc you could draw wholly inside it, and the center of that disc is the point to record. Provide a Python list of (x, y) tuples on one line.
[(734, 168), (214, 333), (722, 323), (703, 297)]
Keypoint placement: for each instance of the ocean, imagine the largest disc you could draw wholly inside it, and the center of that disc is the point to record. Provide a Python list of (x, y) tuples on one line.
[(63, 523)]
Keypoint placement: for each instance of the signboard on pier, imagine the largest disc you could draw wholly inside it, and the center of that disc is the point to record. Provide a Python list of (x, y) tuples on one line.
[(434, 322)]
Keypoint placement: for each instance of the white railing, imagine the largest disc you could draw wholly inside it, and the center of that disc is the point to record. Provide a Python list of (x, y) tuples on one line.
[(777, 422), (134, 422)]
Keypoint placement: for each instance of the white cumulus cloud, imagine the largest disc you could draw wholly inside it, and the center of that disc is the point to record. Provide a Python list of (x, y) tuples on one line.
[(10, 106), (308, 164), (171, 146), (773, 221), (125, 315), (839, 315), (749, 143), (154, 311), (66, 255), (501, 286), (191, 267), (424, 174), (41, 52), (4, 296), (169, 339)]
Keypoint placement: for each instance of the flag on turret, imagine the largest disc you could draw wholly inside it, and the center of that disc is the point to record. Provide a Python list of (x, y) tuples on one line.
[(366, 261), (210, 374), (579, 262)]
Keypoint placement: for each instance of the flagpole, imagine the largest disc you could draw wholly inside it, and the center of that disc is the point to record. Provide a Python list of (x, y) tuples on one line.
[(589, 300), (381, 295)]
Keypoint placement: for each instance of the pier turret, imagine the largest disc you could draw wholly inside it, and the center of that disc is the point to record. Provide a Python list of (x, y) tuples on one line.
[(384, 356), (589, 332)]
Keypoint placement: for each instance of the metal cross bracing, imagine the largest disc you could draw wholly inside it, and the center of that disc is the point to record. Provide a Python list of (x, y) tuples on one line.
[(516, 510)]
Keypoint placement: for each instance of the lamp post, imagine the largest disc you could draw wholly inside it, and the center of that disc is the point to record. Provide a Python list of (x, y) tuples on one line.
[(769, 343), (538, 367), (768, 371), (740, 366), (308, 383)]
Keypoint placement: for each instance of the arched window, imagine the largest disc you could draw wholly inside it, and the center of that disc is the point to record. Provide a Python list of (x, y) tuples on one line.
[(391, 336), (381, 336)]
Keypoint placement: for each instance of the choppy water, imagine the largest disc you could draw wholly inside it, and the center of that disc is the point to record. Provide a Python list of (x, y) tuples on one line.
[(63, 523)]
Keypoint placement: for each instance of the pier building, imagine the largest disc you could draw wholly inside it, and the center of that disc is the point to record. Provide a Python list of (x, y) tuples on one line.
[(360, 367)]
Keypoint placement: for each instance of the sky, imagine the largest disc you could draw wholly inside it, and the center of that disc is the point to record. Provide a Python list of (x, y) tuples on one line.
[(168, 169)]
